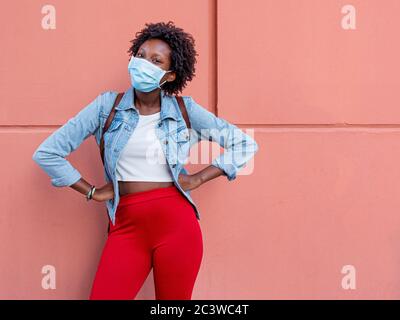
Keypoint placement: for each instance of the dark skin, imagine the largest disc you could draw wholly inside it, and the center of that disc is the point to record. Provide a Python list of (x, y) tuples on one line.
[(157, 52)]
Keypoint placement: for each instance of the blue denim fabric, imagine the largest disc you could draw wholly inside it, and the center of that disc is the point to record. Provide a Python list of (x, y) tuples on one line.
[(172, 132)]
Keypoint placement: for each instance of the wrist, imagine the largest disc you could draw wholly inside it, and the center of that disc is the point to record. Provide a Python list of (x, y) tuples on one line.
[(199, 178), (96, 195), (90, 193)]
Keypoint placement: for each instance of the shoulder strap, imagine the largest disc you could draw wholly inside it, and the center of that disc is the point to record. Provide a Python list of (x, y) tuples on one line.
[(118, 98), (108, 122), (182, 106)]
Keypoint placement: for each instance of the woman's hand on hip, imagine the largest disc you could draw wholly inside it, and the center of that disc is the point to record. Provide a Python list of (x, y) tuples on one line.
[(104, 193)]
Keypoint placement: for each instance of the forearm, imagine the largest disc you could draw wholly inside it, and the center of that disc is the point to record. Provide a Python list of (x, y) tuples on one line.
[(209, 173), (81, 186)]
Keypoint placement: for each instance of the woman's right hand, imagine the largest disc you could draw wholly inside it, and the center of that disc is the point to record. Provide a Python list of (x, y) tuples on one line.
[(104, 193)]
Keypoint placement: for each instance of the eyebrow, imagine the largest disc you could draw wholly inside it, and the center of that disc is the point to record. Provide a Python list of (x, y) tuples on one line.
[(142, 49)]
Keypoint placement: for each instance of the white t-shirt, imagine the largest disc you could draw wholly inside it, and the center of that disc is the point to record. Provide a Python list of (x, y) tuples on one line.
[(142, 158)]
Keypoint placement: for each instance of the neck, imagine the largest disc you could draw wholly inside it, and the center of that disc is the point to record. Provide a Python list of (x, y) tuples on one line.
[(147, 99)]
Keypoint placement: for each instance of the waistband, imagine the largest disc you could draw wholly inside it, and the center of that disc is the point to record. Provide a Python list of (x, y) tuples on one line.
[(156, 193)]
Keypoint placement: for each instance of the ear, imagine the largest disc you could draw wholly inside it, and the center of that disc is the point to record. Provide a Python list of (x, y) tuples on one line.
[(171, 76)]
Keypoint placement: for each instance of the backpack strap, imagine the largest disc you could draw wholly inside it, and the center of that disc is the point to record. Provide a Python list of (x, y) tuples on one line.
[(182, 106), (108, 122), (110, 118)]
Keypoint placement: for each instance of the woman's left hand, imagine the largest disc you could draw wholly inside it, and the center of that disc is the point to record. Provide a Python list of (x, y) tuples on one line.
[(189, 182)]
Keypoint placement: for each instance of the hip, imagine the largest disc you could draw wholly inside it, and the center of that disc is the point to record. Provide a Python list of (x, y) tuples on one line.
[(156, 210)]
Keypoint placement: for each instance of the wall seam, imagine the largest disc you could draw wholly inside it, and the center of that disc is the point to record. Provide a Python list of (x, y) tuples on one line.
[(215, 54)]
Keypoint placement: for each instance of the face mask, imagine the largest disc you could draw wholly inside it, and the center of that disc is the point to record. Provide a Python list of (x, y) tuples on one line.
[(145, 76)]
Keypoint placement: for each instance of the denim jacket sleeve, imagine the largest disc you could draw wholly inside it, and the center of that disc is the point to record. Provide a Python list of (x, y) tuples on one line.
[(50, 154), (238, 146)]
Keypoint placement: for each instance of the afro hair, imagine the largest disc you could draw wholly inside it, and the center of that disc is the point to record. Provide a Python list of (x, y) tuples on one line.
[(183, 53)]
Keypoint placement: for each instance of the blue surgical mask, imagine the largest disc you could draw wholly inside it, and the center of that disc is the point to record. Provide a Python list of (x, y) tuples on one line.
[(145, 76)]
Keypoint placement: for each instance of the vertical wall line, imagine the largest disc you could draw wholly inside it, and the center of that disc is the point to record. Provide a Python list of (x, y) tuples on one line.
[(213, 55)]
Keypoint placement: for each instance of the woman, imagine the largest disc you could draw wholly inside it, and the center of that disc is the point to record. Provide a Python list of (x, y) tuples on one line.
[(153, 219)]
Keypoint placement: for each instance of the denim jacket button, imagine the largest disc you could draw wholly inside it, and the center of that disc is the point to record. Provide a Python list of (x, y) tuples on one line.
[(159, 124), (166, 141), (174, 165)]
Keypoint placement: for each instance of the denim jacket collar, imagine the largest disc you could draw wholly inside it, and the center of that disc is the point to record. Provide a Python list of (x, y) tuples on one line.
[(168, 110)]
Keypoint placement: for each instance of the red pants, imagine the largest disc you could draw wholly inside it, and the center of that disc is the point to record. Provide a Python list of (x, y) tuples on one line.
[(155, 228)]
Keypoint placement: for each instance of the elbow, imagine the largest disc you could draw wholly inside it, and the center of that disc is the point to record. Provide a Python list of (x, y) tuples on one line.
[(249, 144), (252, 146), (36, 156), (255, 147), (61, 172), (39, 156)]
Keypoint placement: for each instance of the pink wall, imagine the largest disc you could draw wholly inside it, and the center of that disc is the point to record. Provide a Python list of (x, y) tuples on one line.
[(324, 101)]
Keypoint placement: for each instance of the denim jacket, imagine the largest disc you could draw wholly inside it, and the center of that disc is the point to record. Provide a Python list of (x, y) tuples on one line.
[(176, 140)]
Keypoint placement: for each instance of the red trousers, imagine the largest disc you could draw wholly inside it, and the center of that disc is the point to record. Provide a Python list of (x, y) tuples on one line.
[(155, 229)]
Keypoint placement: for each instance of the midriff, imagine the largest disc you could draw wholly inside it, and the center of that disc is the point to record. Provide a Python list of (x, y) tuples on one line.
[(126, 187)]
